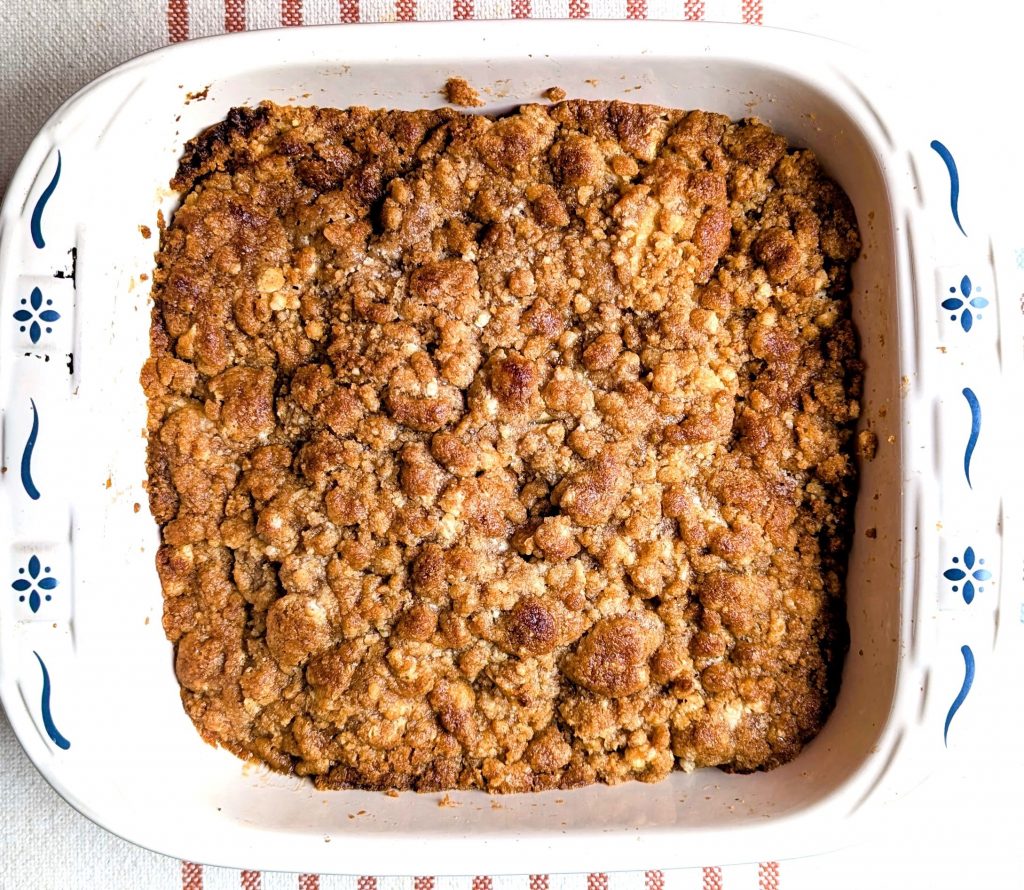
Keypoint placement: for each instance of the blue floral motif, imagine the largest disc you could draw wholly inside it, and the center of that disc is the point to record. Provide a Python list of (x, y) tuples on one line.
[(968, 574), (964, 303), (32, 317), (31, 586)]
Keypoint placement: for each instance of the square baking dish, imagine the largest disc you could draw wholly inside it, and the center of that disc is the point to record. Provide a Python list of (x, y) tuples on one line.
[(85, 670)]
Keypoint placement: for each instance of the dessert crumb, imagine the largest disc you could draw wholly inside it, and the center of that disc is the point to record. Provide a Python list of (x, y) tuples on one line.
[(867, 445), (871, 533), (459, 91), (554, 94), (145, 231)]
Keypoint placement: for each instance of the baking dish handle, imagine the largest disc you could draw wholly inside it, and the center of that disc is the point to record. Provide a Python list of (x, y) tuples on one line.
[(969, 404), (38, 256)]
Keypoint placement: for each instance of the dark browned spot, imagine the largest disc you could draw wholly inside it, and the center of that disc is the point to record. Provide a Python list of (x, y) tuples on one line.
[(530, 627)]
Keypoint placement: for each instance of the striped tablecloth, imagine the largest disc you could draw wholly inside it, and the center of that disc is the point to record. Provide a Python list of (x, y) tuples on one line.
[(762, 876), (961, 831), (193, 18)]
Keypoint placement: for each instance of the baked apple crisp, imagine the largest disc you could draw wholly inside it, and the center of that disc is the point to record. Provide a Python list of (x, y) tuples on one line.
[(509, 454)]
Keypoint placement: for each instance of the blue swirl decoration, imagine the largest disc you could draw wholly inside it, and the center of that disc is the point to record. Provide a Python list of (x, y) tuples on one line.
[(36, 224), (954, 181), (965, 689), (44, 704), (26, 456), (972, 440)]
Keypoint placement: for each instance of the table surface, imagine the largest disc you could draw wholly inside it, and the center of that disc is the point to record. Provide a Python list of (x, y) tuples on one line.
[(962, 827)]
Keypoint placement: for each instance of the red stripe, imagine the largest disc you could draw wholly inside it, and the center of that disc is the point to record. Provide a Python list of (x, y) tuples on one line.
[(636, 9), (767, 872), (753, 12), (177, 20), (191, 876), (711, 878), (520, 9), (597, 881), (366, 883), (482, 882), (694, 10), (251, 880), (579, 9), (309, 882), (462, 9), (539, 882), (291, 13), (234, 15), (405, 11), (349, 10), (422, 884), (654, 880)]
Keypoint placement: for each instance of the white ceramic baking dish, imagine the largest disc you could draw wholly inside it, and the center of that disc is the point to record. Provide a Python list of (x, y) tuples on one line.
[(85, 671)]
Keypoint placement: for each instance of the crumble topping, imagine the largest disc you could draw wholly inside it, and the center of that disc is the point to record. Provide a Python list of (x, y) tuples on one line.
[(509, 454)]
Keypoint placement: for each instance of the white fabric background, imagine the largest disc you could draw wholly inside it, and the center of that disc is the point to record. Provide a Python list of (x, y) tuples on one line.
[(955, 61)]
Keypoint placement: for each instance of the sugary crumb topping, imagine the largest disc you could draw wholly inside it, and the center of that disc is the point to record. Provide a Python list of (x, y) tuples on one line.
[(508, 453)]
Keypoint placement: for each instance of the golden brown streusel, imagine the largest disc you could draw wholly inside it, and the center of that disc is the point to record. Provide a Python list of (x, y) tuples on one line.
[(509, 454)]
